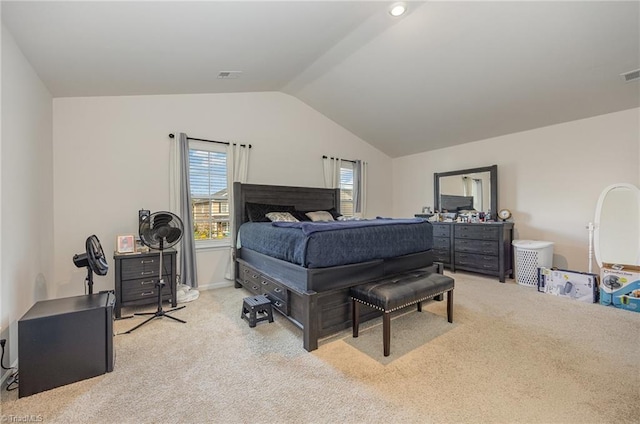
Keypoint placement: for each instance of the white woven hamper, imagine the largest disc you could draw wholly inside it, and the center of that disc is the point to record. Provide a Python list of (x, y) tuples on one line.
[(529, 256)]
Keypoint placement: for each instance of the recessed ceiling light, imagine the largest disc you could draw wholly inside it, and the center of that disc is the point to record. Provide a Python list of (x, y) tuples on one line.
[(397, 9)]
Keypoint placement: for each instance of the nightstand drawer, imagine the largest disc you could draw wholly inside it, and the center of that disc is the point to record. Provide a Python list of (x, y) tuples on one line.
[(144, 267), (150, 295), (133, 288)]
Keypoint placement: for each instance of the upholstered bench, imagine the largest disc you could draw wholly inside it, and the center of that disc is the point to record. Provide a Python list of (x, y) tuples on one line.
[(396, 292)]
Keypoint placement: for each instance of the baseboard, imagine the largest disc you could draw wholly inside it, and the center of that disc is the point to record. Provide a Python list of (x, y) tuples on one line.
[(211, 286)]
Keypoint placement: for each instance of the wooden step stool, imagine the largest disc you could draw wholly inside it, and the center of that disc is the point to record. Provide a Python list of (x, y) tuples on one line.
[(254, 305)]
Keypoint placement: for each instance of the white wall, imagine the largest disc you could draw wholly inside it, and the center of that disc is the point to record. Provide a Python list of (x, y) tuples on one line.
[(550, 178), (111, 159), (26, 191)]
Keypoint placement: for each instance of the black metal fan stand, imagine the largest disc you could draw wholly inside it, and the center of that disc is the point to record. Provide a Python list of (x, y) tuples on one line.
[(159, 313)]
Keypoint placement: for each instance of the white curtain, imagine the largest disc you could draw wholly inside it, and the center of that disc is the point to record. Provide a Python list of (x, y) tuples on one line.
[(331, 169), (237, 171), (477, 193)]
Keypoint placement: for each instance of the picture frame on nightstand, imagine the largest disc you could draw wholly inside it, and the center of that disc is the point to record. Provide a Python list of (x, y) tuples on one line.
[(126, 244)]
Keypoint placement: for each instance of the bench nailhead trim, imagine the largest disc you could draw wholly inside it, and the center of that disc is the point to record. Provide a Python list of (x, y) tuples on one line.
[(402, 306)]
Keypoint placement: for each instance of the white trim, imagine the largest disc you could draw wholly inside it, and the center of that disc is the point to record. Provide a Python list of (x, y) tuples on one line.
[(213, 244), (212, 286)]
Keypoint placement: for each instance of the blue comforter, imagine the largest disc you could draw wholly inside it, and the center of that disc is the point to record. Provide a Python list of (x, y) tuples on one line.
[(326, 244)]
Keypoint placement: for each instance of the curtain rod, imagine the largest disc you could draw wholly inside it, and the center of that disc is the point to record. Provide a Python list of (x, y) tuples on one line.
[(210, 141), (346, 160)]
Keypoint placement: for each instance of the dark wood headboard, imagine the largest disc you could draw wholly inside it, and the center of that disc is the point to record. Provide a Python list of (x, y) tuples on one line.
[(303, 198)]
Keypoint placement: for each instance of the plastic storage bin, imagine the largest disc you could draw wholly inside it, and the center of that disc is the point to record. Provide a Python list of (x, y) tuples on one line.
[(529, 256)]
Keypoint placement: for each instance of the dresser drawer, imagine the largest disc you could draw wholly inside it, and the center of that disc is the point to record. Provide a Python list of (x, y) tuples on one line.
[(442, 255), (441, 243), (486, 247), (440, 230), (478, 232), (482, 262)]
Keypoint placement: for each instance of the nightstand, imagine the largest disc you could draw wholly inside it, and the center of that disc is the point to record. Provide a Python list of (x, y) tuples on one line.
[(136, 277)]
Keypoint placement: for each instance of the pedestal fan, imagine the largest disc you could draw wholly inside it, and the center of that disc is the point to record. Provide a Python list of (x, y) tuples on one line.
[(159, 231), (93, 259)]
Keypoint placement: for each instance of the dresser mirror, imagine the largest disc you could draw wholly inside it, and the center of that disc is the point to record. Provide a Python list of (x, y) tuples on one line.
[(467, 189)]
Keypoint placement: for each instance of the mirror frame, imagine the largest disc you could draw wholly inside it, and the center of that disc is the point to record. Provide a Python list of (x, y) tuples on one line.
[(598, 220), (493, 176)]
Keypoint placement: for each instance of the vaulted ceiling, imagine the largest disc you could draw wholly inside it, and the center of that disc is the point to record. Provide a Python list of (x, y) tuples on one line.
[(445, 73)]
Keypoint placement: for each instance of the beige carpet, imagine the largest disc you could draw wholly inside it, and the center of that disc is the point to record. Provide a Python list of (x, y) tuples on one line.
[(512, 356)]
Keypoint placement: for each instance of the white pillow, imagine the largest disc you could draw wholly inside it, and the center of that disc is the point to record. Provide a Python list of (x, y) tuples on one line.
[(281, 217), (320, 216)]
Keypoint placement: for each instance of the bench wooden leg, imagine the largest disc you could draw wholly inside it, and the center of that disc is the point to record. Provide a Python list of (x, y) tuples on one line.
[(450, 305), (355, 317), (386, 332), (419, 306)]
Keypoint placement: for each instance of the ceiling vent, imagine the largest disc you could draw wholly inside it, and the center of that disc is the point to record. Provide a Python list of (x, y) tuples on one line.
[(229, 74), (631, 75)]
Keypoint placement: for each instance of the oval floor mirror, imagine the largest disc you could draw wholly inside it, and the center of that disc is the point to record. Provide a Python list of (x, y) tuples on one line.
[(617, 225)]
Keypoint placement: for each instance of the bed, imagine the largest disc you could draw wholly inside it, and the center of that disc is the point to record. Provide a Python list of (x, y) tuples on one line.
[(314, 293)]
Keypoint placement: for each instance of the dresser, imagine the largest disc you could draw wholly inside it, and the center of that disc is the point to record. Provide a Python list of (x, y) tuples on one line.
[(136, 276), (483, 247)]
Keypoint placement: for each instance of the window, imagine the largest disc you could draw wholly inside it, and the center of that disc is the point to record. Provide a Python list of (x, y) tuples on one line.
[(209, 193), (346, 188)]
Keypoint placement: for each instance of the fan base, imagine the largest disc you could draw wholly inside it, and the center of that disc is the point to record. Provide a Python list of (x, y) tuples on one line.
[(158, 314)]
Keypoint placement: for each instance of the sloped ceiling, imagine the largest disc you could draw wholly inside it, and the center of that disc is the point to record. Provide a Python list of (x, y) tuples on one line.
[(445, 73)]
